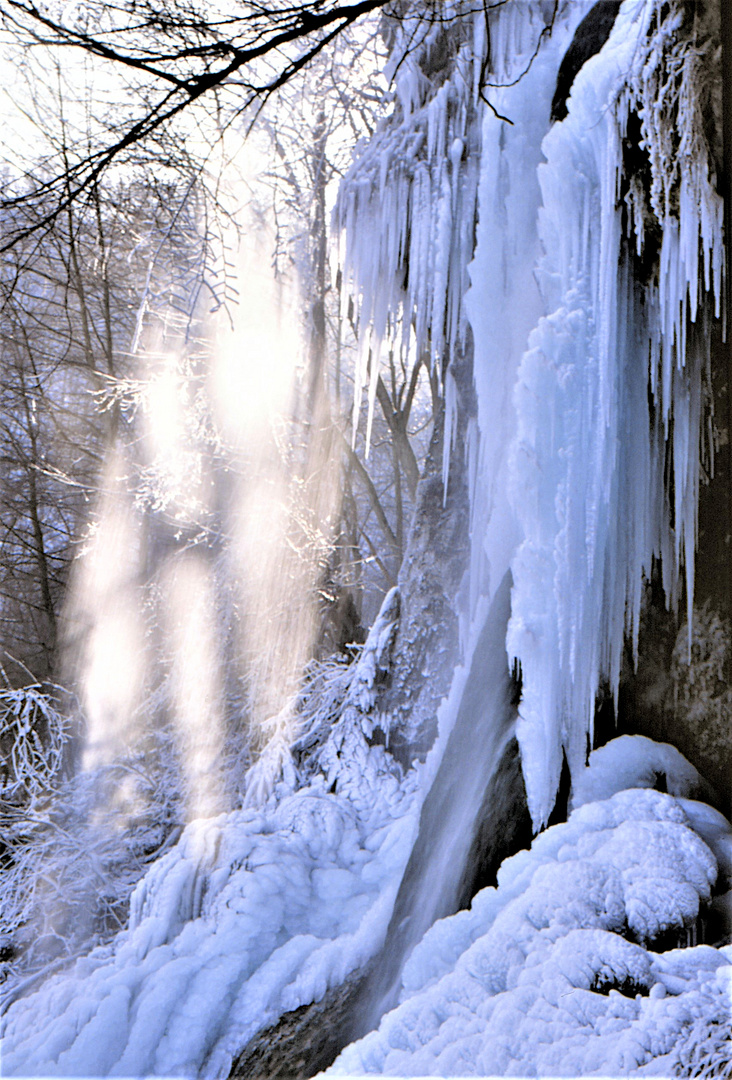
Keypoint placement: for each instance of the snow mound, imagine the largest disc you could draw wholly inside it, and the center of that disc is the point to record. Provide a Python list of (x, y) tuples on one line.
[(633, 761), (550, 972)]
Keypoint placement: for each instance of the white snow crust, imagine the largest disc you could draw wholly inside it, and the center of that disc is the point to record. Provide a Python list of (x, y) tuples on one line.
[(250, 915), (548, 973)]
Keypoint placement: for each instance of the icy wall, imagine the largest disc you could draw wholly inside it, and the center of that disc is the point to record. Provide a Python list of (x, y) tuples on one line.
[(597, 268)]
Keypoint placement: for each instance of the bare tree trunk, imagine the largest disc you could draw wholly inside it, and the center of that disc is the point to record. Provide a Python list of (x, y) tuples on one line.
[(435, 561), (49, 632)]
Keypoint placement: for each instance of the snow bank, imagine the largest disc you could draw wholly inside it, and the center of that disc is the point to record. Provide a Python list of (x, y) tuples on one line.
[(633, 761), (550, 974)]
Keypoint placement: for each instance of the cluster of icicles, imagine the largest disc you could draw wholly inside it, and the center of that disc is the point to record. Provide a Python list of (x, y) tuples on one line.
[(589, 478), (593, 457), (407, 208)]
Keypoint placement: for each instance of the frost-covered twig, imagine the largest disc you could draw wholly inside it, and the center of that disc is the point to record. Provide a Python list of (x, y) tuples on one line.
[(33, 735)]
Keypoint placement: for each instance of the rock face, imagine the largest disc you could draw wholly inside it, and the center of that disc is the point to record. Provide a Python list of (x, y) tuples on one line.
[(426, 645), (503, 826), (673, 693), (589, 38), (303, 1042), (673, 696)]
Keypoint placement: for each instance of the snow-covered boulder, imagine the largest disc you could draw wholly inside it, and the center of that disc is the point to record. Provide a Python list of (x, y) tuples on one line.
[(550, 973), (633, 761)]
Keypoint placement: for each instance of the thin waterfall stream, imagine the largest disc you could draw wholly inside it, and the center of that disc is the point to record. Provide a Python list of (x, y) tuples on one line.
[(470, 780)]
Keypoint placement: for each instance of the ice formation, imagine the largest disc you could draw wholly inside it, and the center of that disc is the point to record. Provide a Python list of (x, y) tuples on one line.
[(407, 208), (504, 302), (550, 973), (590, 458), (247, 918), (571, 483), (578, 481)]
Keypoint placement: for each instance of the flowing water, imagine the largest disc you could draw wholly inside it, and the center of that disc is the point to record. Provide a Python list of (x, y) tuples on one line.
[(470, 782)]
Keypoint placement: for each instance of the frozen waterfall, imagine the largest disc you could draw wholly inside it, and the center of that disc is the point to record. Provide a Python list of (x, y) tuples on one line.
[(576, 464), (583, 465)]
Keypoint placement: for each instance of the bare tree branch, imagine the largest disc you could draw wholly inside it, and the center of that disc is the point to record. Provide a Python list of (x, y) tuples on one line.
[(209, 56)]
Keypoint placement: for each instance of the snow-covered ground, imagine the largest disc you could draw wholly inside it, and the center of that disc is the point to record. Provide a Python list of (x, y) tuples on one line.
[(251, 914)]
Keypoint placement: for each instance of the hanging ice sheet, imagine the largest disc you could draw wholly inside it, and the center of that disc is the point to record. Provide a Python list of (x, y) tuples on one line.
[(585, 484)]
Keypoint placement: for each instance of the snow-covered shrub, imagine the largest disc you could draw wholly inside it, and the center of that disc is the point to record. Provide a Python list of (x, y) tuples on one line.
[(274, 765), (706, 1050), (34, 734), (319, 707), (72, 854), (336, 705), (34, 737)]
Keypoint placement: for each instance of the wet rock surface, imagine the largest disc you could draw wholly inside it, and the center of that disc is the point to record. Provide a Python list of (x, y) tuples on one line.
[(303, 1042)]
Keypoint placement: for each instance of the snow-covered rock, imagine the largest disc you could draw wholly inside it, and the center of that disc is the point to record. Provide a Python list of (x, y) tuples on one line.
[(549, 973), (633, 761)]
